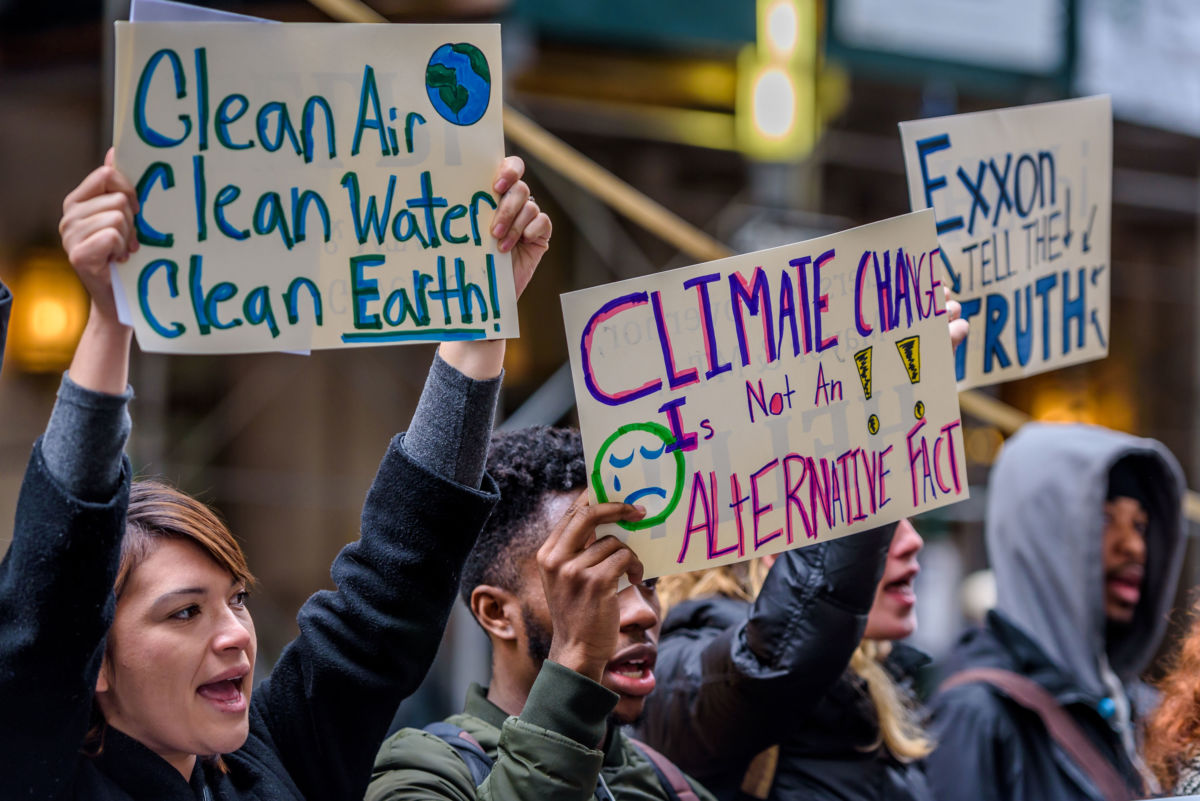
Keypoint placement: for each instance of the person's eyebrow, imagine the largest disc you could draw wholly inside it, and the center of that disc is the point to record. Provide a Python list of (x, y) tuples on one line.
[(173, 595)]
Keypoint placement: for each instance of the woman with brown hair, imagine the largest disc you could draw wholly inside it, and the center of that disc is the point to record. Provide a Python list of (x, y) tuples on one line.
[(126, 649), (1172, 747)]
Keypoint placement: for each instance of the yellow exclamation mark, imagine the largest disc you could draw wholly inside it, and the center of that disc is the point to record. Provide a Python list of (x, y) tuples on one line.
[(910, 354), (862, 360)]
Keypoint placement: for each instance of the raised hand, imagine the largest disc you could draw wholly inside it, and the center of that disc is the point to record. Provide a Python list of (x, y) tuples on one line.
[(580, 575), (522, 229), (518, 223), (97, 227)]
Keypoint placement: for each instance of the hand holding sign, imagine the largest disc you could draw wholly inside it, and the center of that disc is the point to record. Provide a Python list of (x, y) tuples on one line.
[(958, 326), (97, 228), (519, 224), (524, 229)]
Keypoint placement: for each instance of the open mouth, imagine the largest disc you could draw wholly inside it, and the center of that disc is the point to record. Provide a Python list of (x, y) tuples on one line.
[(1125, 583), (632, 672), (225, 693), (901, 589), (633, 669), (1125, 588)]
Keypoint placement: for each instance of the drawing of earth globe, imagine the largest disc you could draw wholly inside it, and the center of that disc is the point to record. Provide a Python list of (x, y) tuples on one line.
[(459, 83)]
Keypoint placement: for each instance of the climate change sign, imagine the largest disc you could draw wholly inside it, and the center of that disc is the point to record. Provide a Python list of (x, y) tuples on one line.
[(1023, 201), (311, 186), (771, 400)]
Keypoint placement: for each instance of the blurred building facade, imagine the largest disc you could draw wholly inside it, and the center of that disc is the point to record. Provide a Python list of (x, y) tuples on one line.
[(662, 95)]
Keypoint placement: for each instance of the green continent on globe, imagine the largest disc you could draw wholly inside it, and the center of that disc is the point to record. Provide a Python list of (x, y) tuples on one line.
[(478, 63), (445, 81)]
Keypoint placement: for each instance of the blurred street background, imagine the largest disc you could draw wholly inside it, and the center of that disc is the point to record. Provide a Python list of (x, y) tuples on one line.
[(758, 123)]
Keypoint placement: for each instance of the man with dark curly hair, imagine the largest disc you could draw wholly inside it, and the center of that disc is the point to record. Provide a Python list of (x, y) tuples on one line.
[(572, 657)]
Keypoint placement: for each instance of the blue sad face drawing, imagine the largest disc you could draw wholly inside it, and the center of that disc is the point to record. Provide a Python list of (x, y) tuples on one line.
[(634, 465)]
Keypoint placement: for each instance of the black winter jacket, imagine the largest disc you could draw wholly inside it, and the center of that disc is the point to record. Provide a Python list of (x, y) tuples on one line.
[(736, 678), (315, 722), (835, 752), (991, 749)]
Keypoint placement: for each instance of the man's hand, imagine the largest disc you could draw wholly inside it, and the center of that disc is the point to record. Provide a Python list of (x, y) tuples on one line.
[(97, 227), (580, 575)]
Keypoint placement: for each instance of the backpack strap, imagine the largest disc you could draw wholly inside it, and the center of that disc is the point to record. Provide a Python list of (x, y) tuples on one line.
[(669, 775), (1061, 727), (468, 748), (480, 764)]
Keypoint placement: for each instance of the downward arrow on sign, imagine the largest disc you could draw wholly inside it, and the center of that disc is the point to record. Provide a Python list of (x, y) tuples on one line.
[(1088, 233), (1067, 236)]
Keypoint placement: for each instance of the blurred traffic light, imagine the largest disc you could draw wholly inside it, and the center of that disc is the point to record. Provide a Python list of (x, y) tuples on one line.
[(50, 309)]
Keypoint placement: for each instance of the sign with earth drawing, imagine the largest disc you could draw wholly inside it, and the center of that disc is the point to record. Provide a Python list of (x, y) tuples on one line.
[(311, 185), (770, 400)]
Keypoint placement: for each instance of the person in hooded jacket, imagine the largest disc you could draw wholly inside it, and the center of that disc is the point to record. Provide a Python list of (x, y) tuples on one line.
[(1084, 533)]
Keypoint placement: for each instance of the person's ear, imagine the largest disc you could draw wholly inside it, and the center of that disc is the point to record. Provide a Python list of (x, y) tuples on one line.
[(103, 684), (497, 610)]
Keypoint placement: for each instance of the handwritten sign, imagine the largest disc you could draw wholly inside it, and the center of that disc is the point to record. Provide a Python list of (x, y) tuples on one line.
[(1023, 201), (771, 400), (311, 186)]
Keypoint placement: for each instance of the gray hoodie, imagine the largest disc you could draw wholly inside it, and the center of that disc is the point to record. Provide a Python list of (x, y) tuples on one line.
[(1045, 518)]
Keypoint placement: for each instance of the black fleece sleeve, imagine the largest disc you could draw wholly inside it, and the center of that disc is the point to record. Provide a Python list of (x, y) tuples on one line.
[(362, 648), (56, 605)]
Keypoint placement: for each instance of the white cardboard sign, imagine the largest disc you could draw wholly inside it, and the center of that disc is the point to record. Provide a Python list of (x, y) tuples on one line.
[(311, 185), (770, 400), (1023, 202)]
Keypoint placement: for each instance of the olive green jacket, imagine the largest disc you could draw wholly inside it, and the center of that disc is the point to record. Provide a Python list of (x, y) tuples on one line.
[(538, 756)]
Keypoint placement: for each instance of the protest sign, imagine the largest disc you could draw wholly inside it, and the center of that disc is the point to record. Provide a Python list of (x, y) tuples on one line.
[(770, 400), (311, 186), (1023, 201)]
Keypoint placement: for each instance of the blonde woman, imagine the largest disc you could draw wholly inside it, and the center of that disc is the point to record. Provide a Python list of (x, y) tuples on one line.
[(780, 678), (755, 695)]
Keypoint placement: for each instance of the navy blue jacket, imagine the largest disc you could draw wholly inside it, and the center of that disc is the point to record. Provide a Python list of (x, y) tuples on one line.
[(992, 749), (315, 723)]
